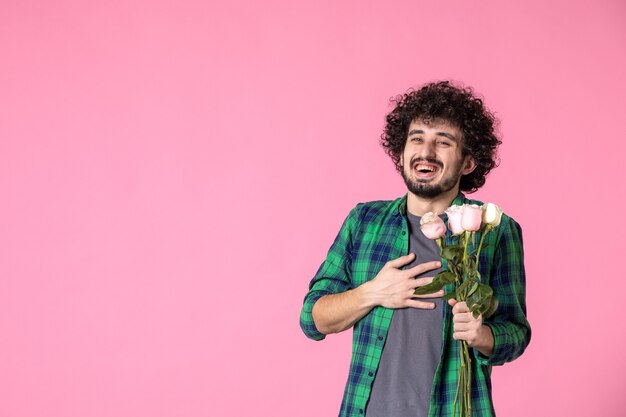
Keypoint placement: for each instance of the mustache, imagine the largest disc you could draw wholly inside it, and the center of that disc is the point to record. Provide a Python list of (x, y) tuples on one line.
[(429, 160)]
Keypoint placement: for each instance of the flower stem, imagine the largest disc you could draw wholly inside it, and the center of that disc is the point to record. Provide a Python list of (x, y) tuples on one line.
[(458, 384), (468, 392), (465, 263), (480, 245)]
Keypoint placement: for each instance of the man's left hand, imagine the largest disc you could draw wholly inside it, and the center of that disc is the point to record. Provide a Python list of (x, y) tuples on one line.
[(472, 330)]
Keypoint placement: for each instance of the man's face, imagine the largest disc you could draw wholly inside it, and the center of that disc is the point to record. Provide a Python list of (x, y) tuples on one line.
[(433, 161)]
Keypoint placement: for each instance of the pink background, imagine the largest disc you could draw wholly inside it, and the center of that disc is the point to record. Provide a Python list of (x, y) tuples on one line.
[(172, 174)]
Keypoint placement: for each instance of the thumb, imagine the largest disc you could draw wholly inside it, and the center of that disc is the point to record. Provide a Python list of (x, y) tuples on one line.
[(452, 302)]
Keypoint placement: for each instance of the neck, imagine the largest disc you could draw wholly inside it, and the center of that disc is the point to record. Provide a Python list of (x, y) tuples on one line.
[(420, 206)]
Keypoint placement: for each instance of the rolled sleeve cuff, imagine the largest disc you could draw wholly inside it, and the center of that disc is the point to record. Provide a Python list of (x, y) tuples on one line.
[(306, 316), (504, 346)]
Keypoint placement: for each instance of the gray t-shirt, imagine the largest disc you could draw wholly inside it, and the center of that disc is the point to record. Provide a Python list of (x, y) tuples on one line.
[(411, 353)]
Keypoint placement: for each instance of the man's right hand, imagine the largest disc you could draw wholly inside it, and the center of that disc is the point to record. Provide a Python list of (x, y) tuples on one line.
[(394, 287)]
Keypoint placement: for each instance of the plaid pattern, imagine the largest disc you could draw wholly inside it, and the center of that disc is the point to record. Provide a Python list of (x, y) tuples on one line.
[(376, 232)]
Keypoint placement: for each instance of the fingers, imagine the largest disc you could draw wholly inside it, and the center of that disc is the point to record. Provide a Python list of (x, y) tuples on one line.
[(421, 268), (424, 305), (466, 328), (420, 282), (459, 307), (465, 325), (401, 261), (437, 294), (463, 318)]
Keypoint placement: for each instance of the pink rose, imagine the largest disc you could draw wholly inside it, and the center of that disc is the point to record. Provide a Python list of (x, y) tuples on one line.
[(472, 217), (455, 215), (432, 226)]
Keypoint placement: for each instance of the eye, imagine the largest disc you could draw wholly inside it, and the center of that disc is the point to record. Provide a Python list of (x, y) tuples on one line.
[(443, 143), (416, 139)]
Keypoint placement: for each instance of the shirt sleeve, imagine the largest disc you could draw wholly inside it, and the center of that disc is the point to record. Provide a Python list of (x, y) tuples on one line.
[(333, 275), (509, 325)]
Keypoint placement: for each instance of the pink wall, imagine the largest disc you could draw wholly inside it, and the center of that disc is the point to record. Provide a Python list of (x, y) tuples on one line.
[(172, 174)]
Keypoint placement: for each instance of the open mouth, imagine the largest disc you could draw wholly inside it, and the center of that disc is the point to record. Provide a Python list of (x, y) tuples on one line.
[(425, 169)]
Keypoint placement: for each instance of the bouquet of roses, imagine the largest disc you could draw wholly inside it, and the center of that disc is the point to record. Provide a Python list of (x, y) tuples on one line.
[(462, 258)]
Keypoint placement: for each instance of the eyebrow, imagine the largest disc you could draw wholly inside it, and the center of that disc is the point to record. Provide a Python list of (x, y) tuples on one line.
[(444, 134)]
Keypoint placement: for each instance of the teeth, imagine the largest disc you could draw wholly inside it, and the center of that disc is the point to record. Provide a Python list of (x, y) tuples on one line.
[(425, 168)]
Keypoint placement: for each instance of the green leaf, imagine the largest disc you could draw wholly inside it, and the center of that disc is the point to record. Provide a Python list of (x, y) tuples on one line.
[(473, 300), (471, 275), (452, 253), (471, 263), (480, 299), (446, 277), (455, 269), (493, 306), (472, 289), (461, 290), (451, 294), (479, 308), (434, 286), (486, 290)]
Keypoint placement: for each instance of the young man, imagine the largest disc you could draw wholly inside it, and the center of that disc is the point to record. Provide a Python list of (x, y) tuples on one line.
[(405, 357)]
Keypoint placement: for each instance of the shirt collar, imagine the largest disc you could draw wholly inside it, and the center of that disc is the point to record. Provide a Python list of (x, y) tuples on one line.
[(458, 201)]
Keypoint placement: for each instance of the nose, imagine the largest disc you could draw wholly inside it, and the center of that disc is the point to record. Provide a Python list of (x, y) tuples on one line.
[(427, 150)]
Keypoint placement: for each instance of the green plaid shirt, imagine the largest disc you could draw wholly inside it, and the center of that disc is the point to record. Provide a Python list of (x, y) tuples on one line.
[(377, 232)]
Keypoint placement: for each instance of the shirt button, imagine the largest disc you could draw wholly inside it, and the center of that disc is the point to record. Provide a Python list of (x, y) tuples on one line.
[(361, 411), (403, 232), (380, 338), (371, 373)]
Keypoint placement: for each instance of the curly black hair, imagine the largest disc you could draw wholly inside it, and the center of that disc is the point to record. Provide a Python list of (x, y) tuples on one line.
[(456, 105)]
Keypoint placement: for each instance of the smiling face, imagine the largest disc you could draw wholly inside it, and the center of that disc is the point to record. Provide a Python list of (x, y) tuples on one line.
[(433, 161)]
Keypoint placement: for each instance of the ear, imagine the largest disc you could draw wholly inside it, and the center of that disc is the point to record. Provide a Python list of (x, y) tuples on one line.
[(469, 165)]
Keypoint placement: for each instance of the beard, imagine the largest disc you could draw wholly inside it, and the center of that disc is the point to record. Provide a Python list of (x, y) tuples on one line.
[(426, 190)]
